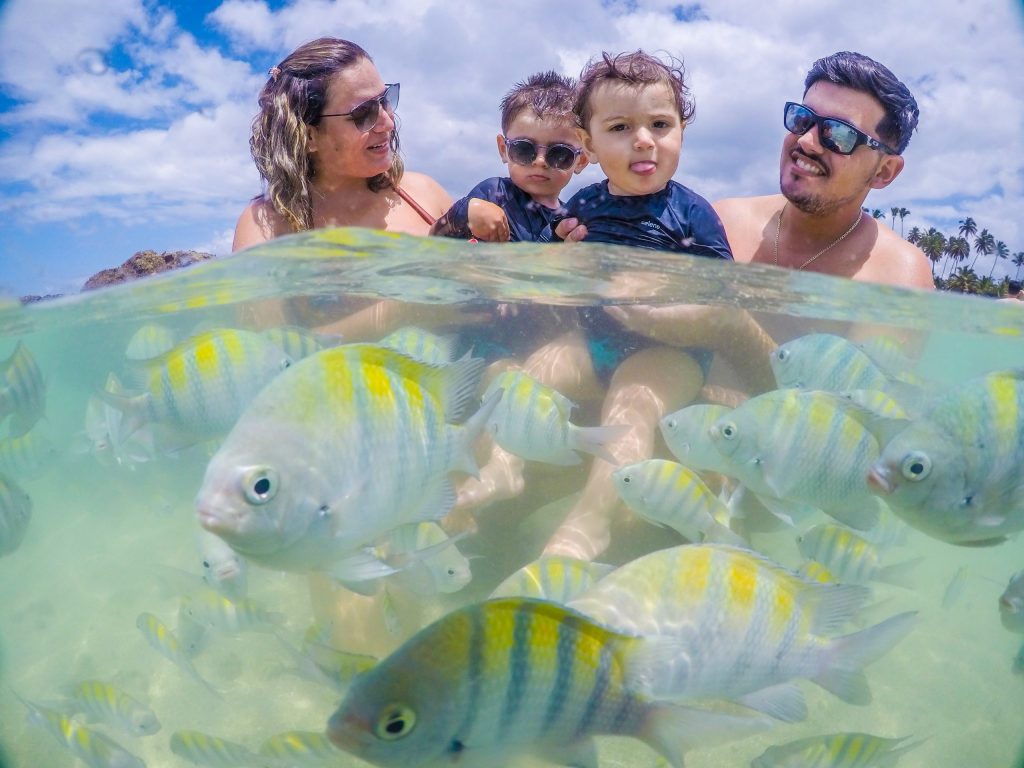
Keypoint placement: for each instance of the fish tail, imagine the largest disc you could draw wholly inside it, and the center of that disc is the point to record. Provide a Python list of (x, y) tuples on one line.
[(899, 574), (720, 534), (466, 435), (843, 665), (134, 407), (671, 729), (594, 440)]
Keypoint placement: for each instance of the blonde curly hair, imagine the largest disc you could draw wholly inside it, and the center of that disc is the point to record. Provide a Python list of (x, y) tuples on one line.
[(290, 103)]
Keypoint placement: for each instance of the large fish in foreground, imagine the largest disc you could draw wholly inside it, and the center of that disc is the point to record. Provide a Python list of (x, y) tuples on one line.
[(955, 471), (512, 676), (339, 450)]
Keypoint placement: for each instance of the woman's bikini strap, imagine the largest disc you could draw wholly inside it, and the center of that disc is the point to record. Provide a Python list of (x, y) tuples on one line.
[(416, 206)]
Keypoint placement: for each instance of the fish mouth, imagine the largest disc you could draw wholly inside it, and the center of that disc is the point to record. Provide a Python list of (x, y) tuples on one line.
[(879, 482), (344, 730)]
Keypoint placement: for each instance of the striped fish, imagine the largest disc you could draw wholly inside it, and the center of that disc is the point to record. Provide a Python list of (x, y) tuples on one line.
[(559, 578), (203, 384), (91, 747), (506, 677), (26, 454), (341, 449), (298, 342), (687, 434), (301, 749), (807, 447), (747, 625), (422, 345), (836, 750), (954, 472), (22, 391), (211, 608), (826, 361), (851, 558), (667, 493), (532, 421), (149, 340), (114, 707), (164, 642), (427, 559), (15, 513), (212, 751)]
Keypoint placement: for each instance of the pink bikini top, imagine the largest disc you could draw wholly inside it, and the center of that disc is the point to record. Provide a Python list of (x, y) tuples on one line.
[(416, 206)]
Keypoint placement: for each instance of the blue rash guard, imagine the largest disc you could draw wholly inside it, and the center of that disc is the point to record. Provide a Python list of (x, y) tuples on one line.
[(675, 219), (526, 217)]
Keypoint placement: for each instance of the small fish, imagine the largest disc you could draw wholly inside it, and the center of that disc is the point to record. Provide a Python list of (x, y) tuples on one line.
[(212, 751), (443, 569), (836, 750), (301, 748), (826, 361), (223, 568), (149, 341), (1018, 667), (341, 449), (421, 345), (687, 434), (212, 609), (808, 447), (558, 578), (15, 513), (815, 571), (114, 707), (667, 493), (955, 589), (748, 627), (954, 472), (337, 667), (512, 676), (1011, 604), (166, 644), (298, 342), (28, 453), (532, 422), (22, 391), (91, 747), (850, 557), (880, 403)]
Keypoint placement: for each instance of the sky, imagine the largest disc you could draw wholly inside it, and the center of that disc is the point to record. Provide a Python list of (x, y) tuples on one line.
[(124, 125)]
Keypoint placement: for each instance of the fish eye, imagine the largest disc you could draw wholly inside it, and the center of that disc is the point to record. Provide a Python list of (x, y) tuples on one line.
[(260, 485), (782, 355), (395, 722), (626, 479), (670, 423), (916, 466), (729, 430)]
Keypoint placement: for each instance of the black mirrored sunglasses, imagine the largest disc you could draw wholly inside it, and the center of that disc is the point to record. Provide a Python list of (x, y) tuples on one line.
[(835, 135), (559, 157), (366, 114)]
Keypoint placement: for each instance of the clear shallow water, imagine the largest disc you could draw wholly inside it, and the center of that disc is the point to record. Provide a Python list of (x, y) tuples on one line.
[(92, 558)]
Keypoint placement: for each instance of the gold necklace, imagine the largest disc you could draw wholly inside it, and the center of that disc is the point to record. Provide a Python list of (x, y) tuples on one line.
[(823, 251)]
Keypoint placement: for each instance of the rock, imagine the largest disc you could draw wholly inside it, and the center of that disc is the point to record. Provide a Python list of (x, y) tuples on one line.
[(145, 263)]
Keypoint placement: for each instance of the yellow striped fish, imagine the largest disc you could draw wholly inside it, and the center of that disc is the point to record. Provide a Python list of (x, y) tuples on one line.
[(149, 340), (421, 345), (826, 361), (747, 626), (211, 608), (512, 676), (341, 449), (298, 342), (532, 422), (301, 749), (687, 434), (202, 384), (807, 447), (955, 471), (26, 454), (91, 747), (22, 390), (15, 513), (164, 642), (559, 578), (667, 493), (114, 707), (836, 750), (850, 557), (212, 751)]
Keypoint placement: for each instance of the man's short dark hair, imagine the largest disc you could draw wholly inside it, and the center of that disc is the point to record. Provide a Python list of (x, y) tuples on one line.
[(857, 71), (548, 94)]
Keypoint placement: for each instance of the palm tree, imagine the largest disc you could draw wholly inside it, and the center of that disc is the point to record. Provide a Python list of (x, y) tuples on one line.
[(933, 243), (984, 243), (895, 211), (957, 250), (877, 214), (1002, 252), (988, 287), (914, 235), (1018, 262), (968, 228), (903, 213), (963, 280)]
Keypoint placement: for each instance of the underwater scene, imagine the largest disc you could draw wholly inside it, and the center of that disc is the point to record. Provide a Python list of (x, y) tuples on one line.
[(353, 498)]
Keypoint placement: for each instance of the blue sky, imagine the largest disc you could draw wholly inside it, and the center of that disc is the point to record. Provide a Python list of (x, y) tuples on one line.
[(124, 125)]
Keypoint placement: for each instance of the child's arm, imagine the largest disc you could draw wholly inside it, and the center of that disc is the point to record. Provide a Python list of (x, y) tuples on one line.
[(473, 217)]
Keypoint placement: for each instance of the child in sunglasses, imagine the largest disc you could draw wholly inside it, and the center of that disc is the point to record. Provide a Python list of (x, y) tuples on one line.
[(538, 143)]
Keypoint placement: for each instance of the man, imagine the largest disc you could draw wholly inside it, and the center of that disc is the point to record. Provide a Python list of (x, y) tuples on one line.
[(845, 139)]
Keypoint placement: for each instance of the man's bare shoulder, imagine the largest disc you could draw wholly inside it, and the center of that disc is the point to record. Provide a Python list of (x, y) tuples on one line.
[(895, 261), (741, 210)]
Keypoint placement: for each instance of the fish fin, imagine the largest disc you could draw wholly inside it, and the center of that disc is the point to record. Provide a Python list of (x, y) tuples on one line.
[(832, 605), (466, 435), (784, 702), (783, 510), (994, 541), (860, 516), (899, 574), (593, 440), (435, 503), (578, 754), (360, 571), (720, 534), (135, 409), (454, 384), (670, 729), (842, 671)]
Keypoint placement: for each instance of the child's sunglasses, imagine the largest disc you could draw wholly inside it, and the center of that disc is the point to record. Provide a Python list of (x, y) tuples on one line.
[(366, 114), (559, 157), (835, 135)]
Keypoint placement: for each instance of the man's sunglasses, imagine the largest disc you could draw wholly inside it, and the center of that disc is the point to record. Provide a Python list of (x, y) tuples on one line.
[(365, 115), (835, 135), (559, 157)]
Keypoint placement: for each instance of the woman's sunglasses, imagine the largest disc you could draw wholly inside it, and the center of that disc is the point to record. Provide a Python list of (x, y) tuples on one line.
[(366, 115), (558, 157), (835, 135)]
